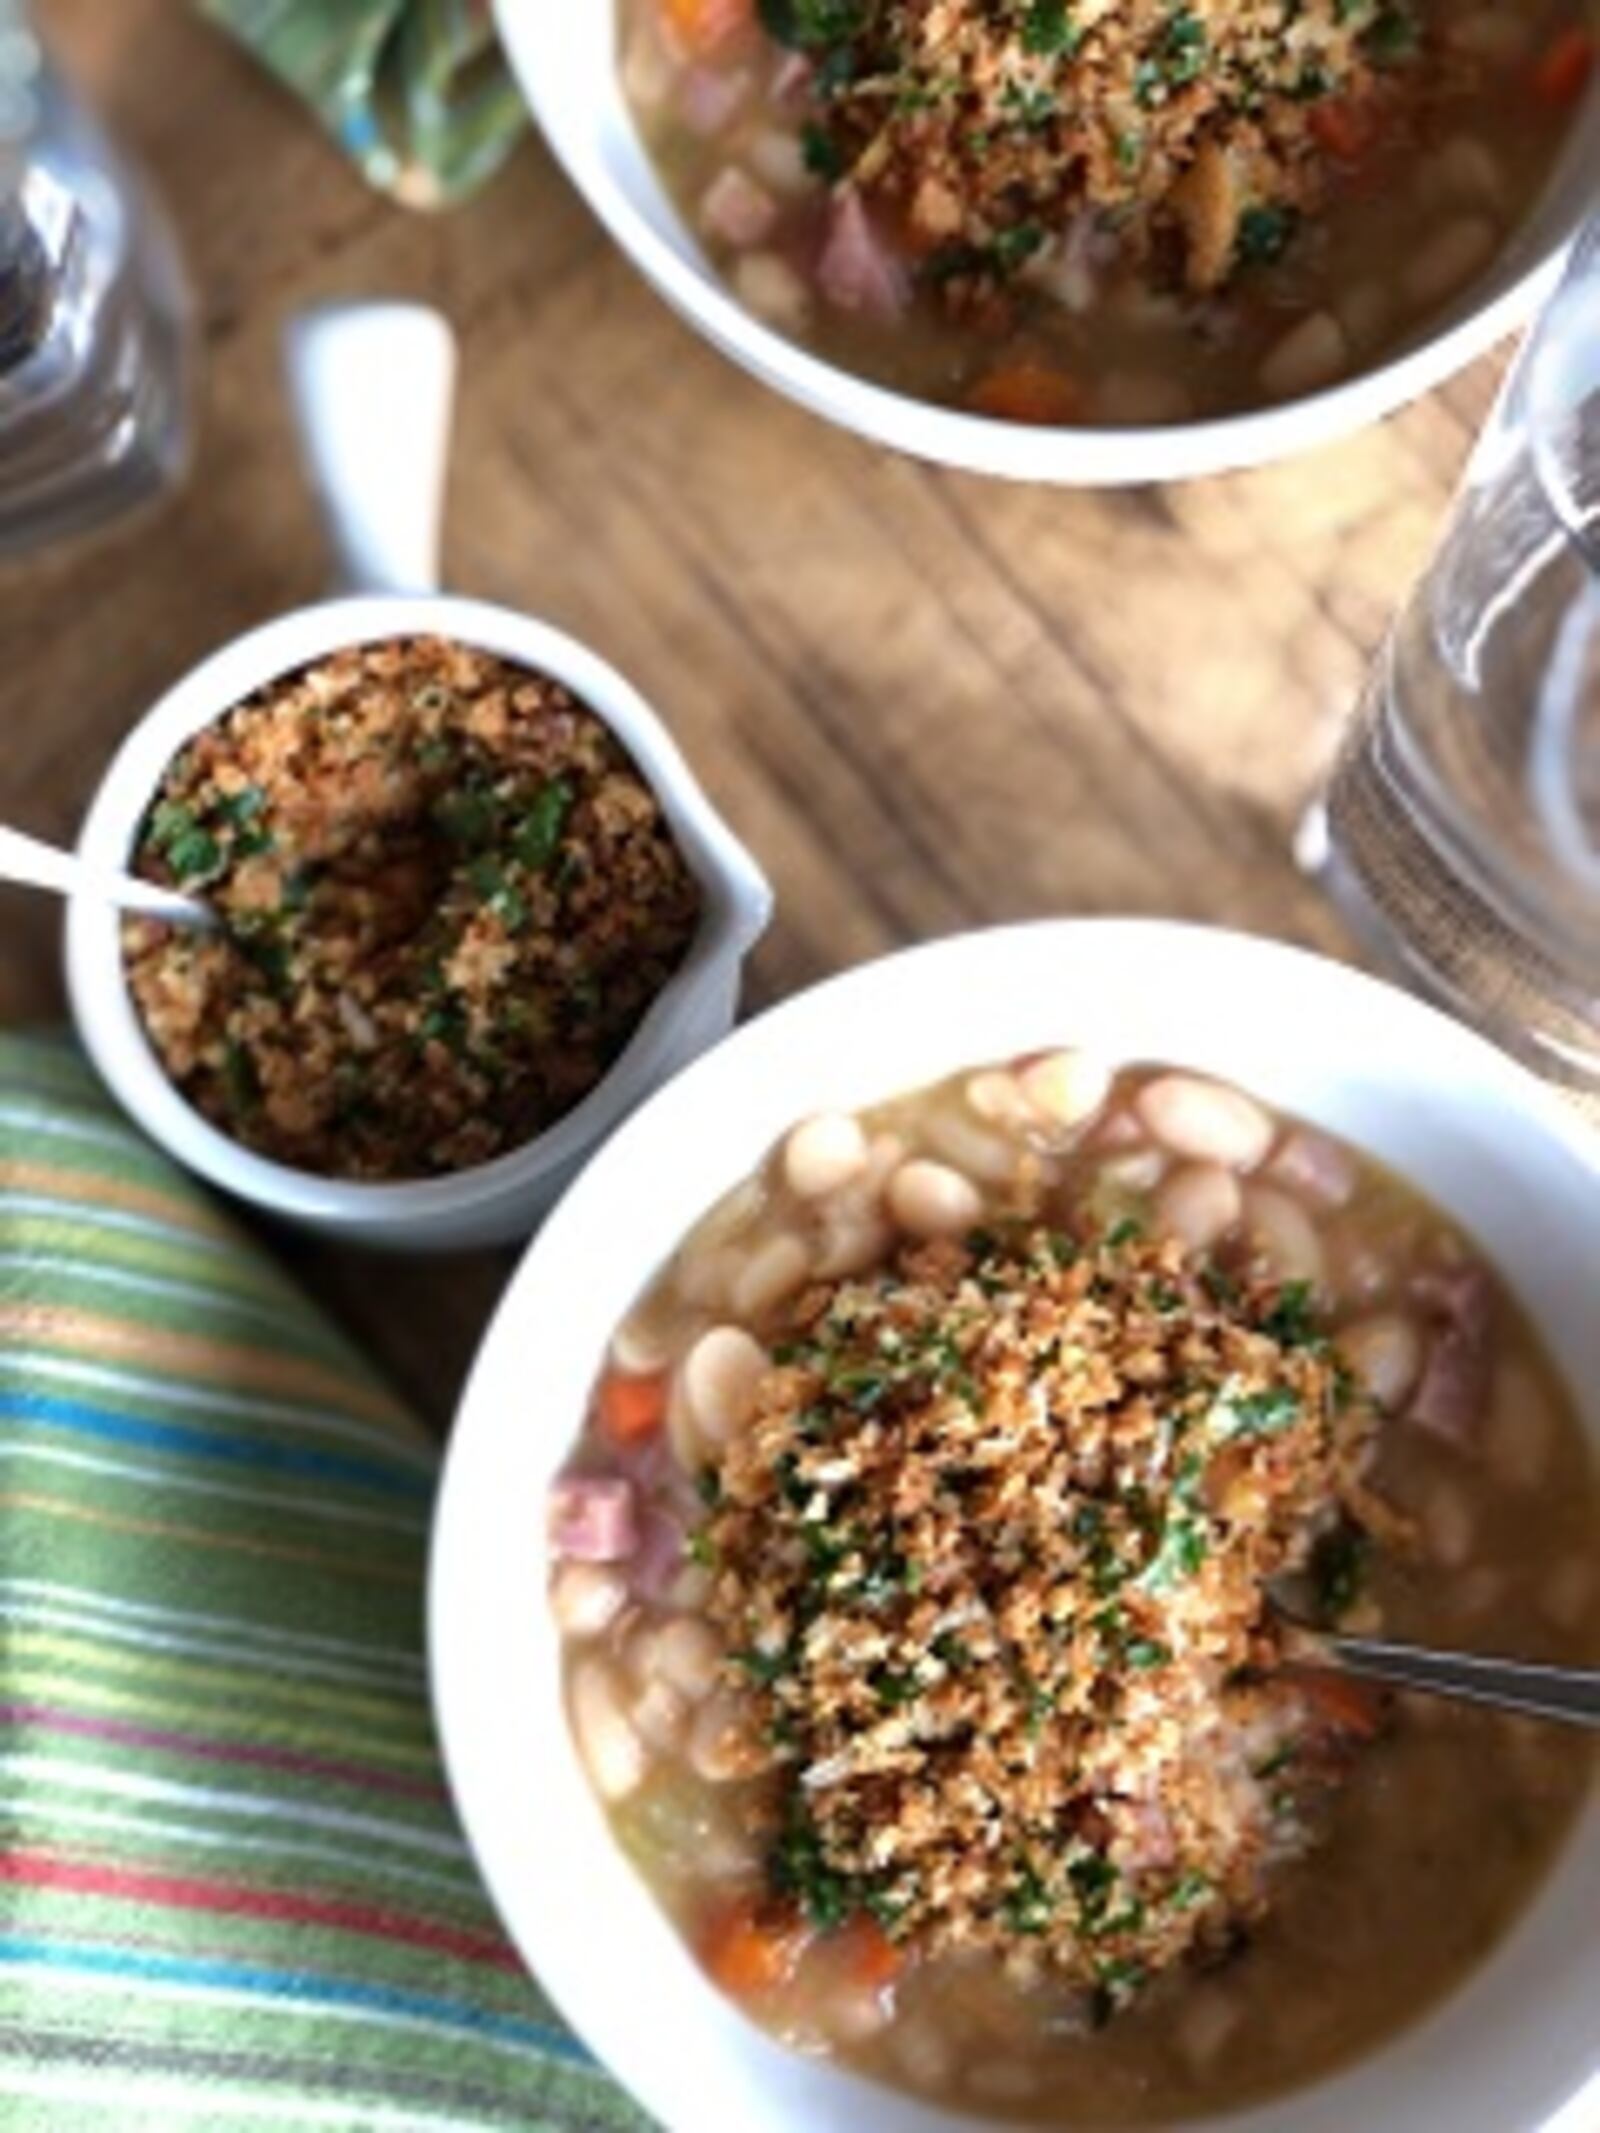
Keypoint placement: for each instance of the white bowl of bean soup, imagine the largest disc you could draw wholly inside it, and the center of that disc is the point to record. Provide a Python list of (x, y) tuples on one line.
[(1075, 240), (849, 1621)]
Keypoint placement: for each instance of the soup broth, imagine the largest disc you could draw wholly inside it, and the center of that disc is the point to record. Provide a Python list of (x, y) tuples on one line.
[(1186, 1871), (1075, 211)]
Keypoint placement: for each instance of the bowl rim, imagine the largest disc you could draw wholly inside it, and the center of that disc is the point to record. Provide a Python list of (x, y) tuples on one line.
[(1087, 457), (1430, 1065), (737, 904)]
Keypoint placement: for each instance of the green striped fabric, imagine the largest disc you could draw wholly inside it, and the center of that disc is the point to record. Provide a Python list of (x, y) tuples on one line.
[(415, 91), (232, 1892)]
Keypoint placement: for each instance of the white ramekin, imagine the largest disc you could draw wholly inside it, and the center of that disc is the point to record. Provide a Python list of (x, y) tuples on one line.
[(378, 464), (1516, 2047), (564, 57)]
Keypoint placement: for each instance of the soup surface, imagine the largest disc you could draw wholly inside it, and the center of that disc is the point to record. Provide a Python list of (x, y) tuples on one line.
[(1103, 211), (912, 1568)]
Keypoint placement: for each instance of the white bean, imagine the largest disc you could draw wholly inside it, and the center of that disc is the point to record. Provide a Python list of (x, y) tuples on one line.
[(932, 1200), (853, 2011), (720, 1376), (1066, 1088), (1366, 315), (1198, 1203), (1206, 1120), (1312, 354), (1140, 1170), (1567, 1594), (660, 1716), (649, 71), (586, 1598), (769, 287), (773, 1271), (1317, 1168), (612, 1752), (1464, 171), (1462, 248), (961, 1141), (778, 158), (640, 1346), (1385, 1352), (1448, 1524), (1207, 2017), (823, 1154), (851, 1242), (995, 1095), (685, 1653), (704, 1274), (691, 1588), (923, 2052), (1282, 1234), (722, 1742)]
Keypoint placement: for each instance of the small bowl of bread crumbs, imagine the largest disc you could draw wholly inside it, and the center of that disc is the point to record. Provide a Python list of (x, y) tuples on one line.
[(471, 906)]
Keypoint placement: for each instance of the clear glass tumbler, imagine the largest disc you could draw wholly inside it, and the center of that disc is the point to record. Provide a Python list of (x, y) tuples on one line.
[(1460, 832), (95, 346)]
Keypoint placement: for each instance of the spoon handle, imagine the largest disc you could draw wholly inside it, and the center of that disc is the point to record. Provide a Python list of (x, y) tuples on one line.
[(1569, 1694), (37, 865)]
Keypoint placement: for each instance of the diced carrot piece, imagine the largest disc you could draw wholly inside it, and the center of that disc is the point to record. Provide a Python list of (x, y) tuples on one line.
[(1562, 71), (1345, 128), (871, 1957), (631, 1407), (747, 1952), (1341, 1701), (705, 25), (1027, 392)]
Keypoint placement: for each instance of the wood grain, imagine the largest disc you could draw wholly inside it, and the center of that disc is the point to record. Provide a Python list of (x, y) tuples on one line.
[(926, 700)]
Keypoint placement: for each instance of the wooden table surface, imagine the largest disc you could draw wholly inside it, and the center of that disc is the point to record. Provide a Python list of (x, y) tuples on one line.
[(927, 701)]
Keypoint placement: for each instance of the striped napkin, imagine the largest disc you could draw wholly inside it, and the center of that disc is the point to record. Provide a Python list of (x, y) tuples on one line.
[(414, 91), (232, 1892)]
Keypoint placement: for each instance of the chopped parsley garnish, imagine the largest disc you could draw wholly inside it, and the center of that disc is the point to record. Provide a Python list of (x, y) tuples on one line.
[(1048, 29), (187, 846), (812, 25), (1264, 234), (1255, 1414), (1338, 1569), (1146, 1653), (820, 153), (536, 836), (1027, 1906)]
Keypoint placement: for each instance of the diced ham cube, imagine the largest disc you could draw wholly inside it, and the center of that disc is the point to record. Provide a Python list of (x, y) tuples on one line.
[(857, 271), (737, 210), (1454, 1392), (594, 1518)]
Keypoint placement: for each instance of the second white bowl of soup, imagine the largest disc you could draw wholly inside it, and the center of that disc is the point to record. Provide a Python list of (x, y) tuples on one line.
[(1080, 244), (847, 1629)]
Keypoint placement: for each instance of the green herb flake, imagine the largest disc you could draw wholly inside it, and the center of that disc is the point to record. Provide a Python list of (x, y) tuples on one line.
[(1146, 1653), (537, 835), (1048, 30)]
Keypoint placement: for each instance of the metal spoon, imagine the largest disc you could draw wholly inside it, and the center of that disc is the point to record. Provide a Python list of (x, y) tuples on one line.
[(36, 865), (1568, 1694)]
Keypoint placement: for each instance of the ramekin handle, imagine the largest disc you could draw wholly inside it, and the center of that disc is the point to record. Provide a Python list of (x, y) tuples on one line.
[(372, 386)]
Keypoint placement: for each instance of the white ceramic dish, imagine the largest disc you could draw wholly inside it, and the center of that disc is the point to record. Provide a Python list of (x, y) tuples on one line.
[(382, 504), (564, 58), (1518, 2043)]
